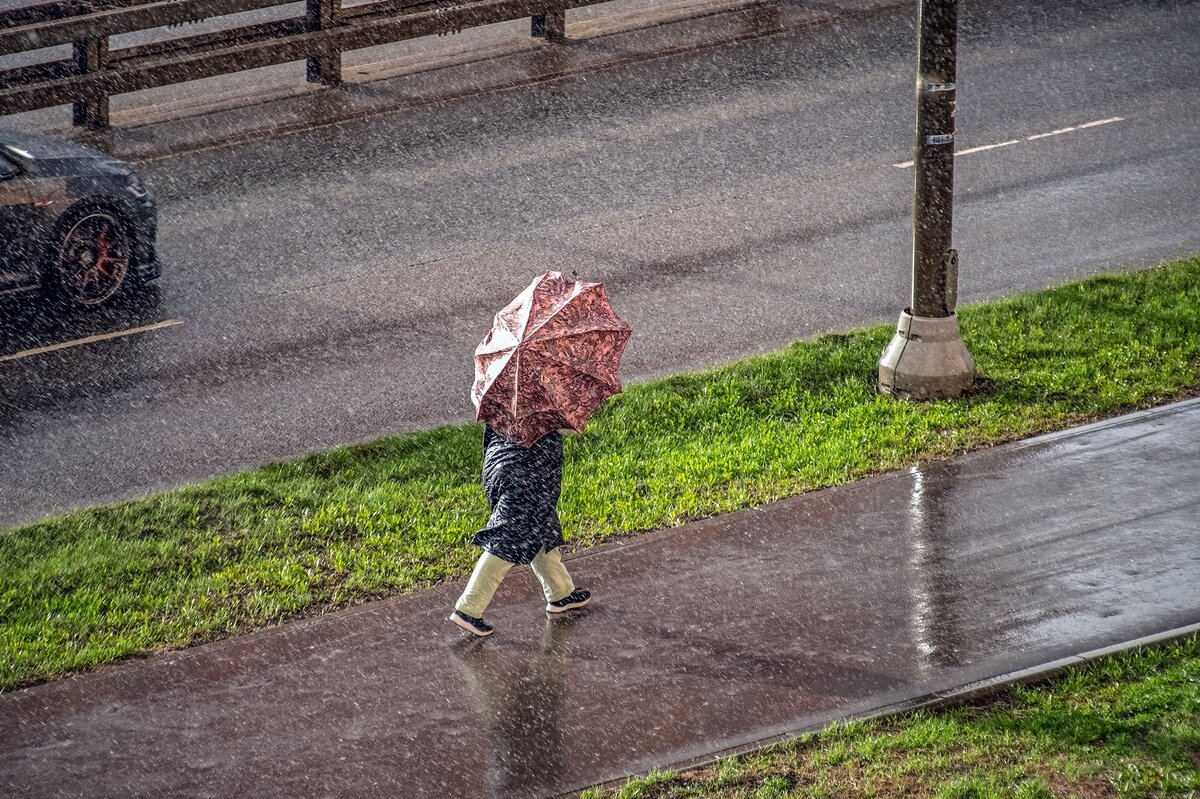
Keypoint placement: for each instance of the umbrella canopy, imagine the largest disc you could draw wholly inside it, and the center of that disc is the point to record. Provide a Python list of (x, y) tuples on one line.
[(550, 359)]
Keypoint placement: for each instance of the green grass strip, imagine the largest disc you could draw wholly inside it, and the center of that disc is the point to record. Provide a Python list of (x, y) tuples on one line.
[(1126, 727), (357, 523)]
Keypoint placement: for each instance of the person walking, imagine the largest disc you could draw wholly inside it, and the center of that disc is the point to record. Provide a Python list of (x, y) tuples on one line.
[(549, 361), (522, 485)]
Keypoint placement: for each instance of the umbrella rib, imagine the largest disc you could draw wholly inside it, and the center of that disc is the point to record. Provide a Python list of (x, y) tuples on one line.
[(530, 332), (516, 394), (512, 405)]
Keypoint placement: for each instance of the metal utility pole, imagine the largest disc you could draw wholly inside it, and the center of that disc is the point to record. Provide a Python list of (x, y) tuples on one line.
[(927, 359)]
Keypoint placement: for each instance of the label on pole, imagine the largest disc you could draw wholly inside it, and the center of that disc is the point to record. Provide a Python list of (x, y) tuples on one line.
[(939, 87), (951, 267), (940, 138)]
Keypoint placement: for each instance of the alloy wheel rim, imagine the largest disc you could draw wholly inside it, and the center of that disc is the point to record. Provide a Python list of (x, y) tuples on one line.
[(94, 259)]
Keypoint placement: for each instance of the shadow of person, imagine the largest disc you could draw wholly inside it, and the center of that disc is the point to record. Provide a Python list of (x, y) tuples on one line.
[(521, 704)]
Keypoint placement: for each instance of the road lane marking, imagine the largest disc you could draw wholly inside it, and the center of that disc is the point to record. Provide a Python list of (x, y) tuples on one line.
[(91, 340), (988, 147), (1034, 137), (1058, 132)]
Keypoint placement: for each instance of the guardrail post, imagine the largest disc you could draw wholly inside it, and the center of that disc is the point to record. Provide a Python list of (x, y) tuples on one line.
[(551, 26), (326, 67), (92, 109)]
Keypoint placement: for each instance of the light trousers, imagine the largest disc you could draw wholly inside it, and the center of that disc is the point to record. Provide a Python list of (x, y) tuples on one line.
[(491, 570)]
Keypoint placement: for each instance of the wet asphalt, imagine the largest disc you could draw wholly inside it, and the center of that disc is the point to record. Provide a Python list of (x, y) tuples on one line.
[(880, 595), (332, 284)]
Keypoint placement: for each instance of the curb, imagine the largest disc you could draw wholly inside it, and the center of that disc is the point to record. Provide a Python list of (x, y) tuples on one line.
[(1100, 424), (937, 700)]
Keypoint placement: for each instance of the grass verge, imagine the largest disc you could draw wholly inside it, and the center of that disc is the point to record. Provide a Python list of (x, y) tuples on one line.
[(1128, 726), (345, 526)]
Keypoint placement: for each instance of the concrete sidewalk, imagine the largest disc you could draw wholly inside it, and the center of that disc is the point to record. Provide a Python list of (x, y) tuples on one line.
[(883, 594)]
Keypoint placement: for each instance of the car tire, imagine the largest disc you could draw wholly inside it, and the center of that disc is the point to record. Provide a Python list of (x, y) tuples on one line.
[(90, 258)]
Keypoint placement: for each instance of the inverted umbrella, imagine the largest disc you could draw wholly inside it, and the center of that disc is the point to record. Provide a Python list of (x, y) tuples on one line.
[(550, 359)]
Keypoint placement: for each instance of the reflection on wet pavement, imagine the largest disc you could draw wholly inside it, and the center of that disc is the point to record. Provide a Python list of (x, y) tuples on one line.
[(520, 702)]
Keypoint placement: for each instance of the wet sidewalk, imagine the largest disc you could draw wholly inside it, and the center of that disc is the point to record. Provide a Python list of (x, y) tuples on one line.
[(702, 639)]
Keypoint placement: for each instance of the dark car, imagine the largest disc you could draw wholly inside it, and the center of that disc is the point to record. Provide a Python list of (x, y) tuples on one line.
[(75, 224)]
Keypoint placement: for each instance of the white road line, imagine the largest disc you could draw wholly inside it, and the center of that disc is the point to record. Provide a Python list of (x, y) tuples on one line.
[(1059, 132), (988, 147), (91, 340)]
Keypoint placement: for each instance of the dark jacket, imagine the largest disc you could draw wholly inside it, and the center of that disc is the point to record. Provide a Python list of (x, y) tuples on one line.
[(522, 487)]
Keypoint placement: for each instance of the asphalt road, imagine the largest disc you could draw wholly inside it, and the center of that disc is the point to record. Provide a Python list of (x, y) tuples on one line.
[(331, 285)]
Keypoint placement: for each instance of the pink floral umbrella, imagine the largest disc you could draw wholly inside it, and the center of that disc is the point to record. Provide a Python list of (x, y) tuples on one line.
[(550, 359)]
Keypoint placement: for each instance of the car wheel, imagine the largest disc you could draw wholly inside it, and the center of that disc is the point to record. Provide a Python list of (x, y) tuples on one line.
[(92, 258)]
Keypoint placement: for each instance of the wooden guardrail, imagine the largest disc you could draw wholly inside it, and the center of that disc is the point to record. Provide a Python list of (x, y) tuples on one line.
[(95, 72)]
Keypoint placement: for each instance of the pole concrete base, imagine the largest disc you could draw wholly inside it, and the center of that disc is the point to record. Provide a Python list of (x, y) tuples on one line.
[(926, 360)]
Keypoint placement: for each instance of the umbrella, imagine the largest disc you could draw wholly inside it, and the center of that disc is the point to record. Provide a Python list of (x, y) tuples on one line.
[(550, 359)]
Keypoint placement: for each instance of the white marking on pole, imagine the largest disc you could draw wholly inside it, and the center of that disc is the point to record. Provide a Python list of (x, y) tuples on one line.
[(90, 340)]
